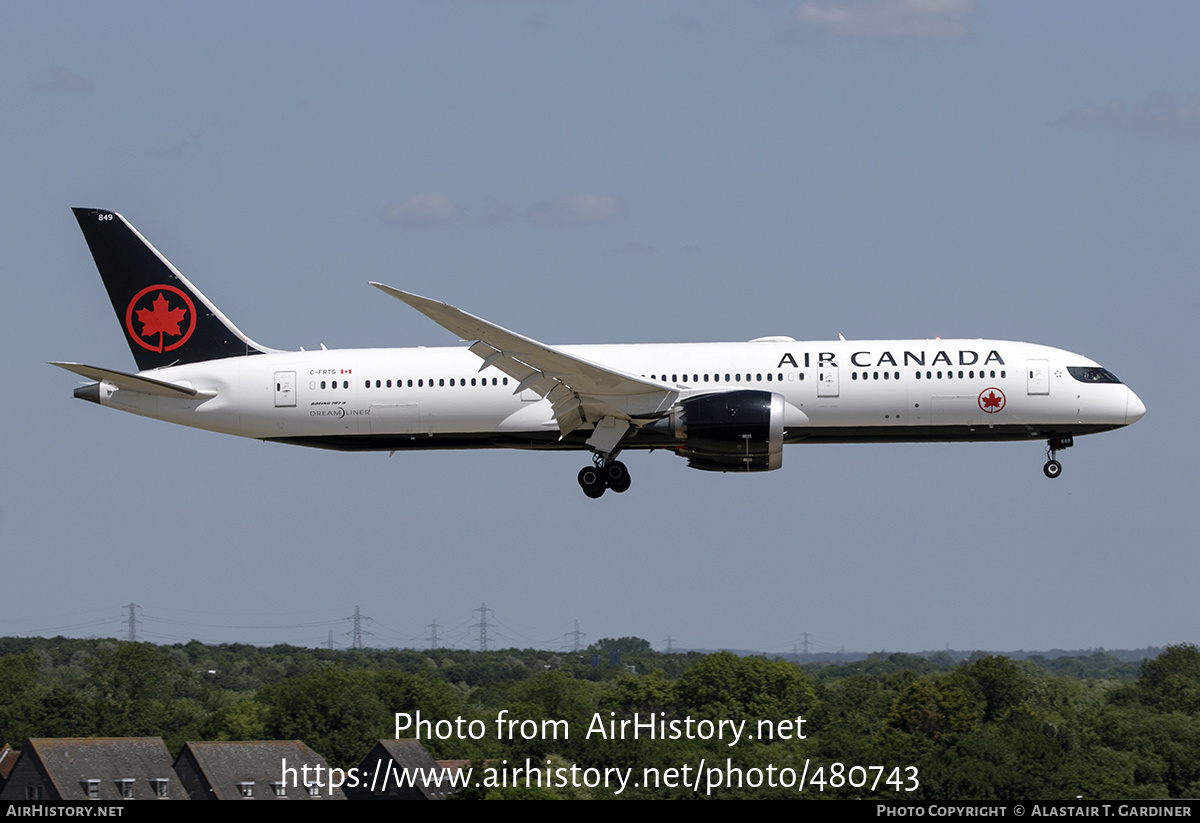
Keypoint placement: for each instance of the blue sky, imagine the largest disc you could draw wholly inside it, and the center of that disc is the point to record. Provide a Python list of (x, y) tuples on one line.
[(588, 172)]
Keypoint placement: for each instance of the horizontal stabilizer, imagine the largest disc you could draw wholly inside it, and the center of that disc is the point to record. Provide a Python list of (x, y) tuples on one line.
[(130, 382)]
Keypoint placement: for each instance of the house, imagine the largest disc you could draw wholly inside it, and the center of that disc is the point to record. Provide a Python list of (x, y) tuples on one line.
[(254, 770), (401, 770), (79, 769), (8, 759)]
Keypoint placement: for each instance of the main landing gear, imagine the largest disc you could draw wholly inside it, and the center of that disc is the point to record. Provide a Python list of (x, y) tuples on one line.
[(1053, 468), (605, 474)]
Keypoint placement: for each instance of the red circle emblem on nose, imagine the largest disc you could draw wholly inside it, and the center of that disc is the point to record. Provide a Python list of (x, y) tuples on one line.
[(163, 312), (991, 400)]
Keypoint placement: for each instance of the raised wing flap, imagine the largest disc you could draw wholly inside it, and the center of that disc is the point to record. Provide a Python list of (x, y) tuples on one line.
[(130, 382), (578, 389)]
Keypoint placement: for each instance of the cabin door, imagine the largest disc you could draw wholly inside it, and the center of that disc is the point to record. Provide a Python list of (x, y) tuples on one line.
[(285, 389), (1037, 374)]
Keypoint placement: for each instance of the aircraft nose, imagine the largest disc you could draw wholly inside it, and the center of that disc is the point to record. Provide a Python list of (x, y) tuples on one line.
[(1135, 409)]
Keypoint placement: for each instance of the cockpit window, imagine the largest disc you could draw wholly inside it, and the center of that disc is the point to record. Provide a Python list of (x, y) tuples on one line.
[(1092, 374)]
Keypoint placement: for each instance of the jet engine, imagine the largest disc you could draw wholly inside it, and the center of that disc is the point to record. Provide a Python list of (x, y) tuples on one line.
[(735, 431)]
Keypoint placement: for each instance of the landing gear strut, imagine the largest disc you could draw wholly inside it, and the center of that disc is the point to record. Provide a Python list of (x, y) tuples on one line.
[(606, 473), (1053, 468)]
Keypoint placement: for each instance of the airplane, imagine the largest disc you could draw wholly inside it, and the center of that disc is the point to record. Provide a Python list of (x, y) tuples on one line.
[(724, 407)]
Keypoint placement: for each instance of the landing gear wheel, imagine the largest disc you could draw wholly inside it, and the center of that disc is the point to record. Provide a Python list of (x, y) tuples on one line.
[(1053, 468), (591, 480), (617, 476)]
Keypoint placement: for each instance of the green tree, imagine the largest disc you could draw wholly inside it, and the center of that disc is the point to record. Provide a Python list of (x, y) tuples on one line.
[(638, 694), (725, 686), (933, 708), (1002, 683), (628, 645), (335, 711), (21, 703), (1173, 678), (137, 689)]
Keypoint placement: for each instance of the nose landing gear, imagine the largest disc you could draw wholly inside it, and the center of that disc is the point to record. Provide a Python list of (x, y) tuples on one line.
[(605, 474), (1053, 468)]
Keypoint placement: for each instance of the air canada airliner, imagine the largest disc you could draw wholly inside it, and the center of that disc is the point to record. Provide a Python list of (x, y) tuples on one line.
[(726, 407)]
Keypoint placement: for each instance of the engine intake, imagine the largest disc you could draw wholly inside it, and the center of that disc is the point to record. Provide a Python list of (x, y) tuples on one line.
[(736, 431)]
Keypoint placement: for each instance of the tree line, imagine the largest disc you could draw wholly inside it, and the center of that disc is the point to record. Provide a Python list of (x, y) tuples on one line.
[(986, 728)]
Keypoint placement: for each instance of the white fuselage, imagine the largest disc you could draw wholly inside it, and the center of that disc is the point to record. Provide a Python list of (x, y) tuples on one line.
[(897, 390), (721, 406)]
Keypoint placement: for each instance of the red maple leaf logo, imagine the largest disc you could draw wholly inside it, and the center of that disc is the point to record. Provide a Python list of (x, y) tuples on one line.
[(991, 400), (161, 319)]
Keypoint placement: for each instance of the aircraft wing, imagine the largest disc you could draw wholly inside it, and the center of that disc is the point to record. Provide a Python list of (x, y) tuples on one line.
[(579, 390)]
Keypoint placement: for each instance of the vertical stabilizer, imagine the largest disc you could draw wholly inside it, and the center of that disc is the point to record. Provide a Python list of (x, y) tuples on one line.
[(166, 320)]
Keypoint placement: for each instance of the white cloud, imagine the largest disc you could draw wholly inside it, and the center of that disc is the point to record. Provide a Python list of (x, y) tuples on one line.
[(429, 208), (58, 81), (922, 19), (577, 210), (1160, 112)]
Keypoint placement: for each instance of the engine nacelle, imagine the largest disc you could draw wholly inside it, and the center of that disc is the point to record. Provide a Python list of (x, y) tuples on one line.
[(735, 431)]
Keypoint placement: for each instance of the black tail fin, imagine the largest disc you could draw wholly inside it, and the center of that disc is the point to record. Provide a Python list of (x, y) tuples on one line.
[(166, 320)]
